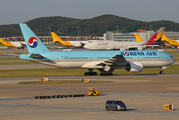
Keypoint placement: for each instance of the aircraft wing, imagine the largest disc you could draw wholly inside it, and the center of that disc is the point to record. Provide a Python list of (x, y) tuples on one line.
[(114, 61)]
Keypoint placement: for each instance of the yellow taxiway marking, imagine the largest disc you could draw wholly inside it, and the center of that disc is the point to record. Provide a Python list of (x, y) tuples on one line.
[(172, 88)]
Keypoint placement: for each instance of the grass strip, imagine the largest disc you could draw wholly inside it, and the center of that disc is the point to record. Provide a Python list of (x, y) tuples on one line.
[(73, 72), (10, 58)]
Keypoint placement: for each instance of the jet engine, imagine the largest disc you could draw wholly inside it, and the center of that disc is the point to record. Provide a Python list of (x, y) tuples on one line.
[(134, 67)]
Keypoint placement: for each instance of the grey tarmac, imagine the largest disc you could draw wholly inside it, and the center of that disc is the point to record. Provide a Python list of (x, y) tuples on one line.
[(144, 96)]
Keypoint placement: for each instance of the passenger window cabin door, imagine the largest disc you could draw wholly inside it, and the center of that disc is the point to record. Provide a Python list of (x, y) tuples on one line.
[(57, 58)]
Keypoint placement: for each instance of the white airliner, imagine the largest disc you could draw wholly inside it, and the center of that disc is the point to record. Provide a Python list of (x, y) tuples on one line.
[(58, 40), (104, 61), (111, 45)]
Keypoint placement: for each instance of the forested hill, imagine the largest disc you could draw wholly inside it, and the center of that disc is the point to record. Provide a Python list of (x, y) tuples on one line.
[(94, 26)]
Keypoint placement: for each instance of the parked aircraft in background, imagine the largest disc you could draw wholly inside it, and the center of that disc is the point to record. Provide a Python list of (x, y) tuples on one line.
[(169, 42), (155, 40), (105, 61), (111, 45), (58, 40), (138, 38), (12, 44)]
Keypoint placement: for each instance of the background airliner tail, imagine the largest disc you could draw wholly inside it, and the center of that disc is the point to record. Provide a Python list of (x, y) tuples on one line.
[(160, 33), (152, 39), (34, 44), (2, 41), (138, 38), (56, 39), (156, 37), (165, 38)]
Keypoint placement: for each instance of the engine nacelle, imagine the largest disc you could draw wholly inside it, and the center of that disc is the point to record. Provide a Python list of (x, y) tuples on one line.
[(134, 67), (139, 48)]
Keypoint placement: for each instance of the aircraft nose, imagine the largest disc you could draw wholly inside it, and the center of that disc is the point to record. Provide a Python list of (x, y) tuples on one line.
[(173, 60), (85, 46)]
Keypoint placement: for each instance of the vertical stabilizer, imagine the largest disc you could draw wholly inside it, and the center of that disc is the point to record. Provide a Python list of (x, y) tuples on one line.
[(58, 40), (34, 44), (156, 37), (138, 38), (2, 41), (152, 39), (165, 38), (160, 33)]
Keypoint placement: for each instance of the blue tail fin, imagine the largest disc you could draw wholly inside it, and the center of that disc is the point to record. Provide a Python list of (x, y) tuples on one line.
[(34, 44)]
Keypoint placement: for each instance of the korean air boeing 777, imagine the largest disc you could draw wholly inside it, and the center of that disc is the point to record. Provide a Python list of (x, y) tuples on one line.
[(104, 61)]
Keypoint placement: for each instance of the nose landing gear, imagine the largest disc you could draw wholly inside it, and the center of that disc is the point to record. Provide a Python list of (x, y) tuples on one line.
[(161, 70)]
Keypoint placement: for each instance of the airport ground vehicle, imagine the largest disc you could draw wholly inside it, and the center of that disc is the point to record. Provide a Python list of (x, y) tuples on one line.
[(115, 105), (92, 91)]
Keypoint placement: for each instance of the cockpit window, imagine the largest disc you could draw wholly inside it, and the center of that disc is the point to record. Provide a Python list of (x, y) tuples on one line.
[(90, 42)]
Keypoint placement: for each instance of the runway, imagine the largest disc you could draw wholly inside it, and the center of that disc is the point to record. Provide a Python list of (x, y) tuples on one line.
[(144, 96)]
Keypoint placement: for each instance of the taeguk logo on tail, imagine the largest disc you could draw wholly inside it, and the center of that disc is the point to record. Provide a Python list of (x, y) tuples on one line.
[(33, 42)]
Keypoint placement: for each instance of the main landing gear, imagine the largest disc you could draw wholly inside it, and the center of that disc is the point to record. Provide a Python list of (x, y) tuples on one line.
[(106, 74), (90, 72)]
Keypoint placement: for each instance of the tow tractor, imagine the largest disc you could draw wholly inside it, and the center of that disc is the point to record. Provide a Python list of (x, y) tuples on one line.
[(92, 91)]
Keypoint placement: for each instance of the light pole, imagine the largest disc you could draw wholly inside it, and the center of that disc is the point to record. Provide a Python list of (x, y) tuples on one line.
[(150, 30), (48, 40), (78, 33)]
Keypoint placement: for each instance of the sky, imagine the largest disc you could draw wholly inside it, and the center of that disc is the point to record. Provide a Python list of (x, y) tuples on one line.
[(17, 11)]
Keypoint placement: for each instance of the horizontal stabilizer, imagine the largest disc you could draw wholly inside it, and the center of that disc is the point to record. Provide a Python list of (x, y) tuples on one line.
[(17, 55), (36, 56)]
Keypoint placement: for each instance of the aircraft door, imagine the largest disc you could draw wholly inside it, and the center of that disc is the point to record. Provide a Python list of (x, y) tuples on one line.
[(90, 57), (57, 58)]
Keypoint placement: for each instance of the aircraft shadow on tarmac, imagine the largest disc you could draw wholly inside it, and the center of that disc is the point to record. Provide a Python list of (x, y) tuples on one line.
[(131, 109)]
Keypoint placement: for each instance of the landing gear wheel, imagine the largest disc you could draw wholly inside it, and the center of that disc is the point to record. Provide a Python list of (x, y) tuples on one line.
[(90, 73), (106, 74), (161, 72)]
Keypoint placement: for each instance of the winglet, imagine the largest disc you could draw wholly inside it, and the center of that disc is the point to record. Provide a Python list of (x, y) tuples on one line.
[(34, 44), (138, 38)]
